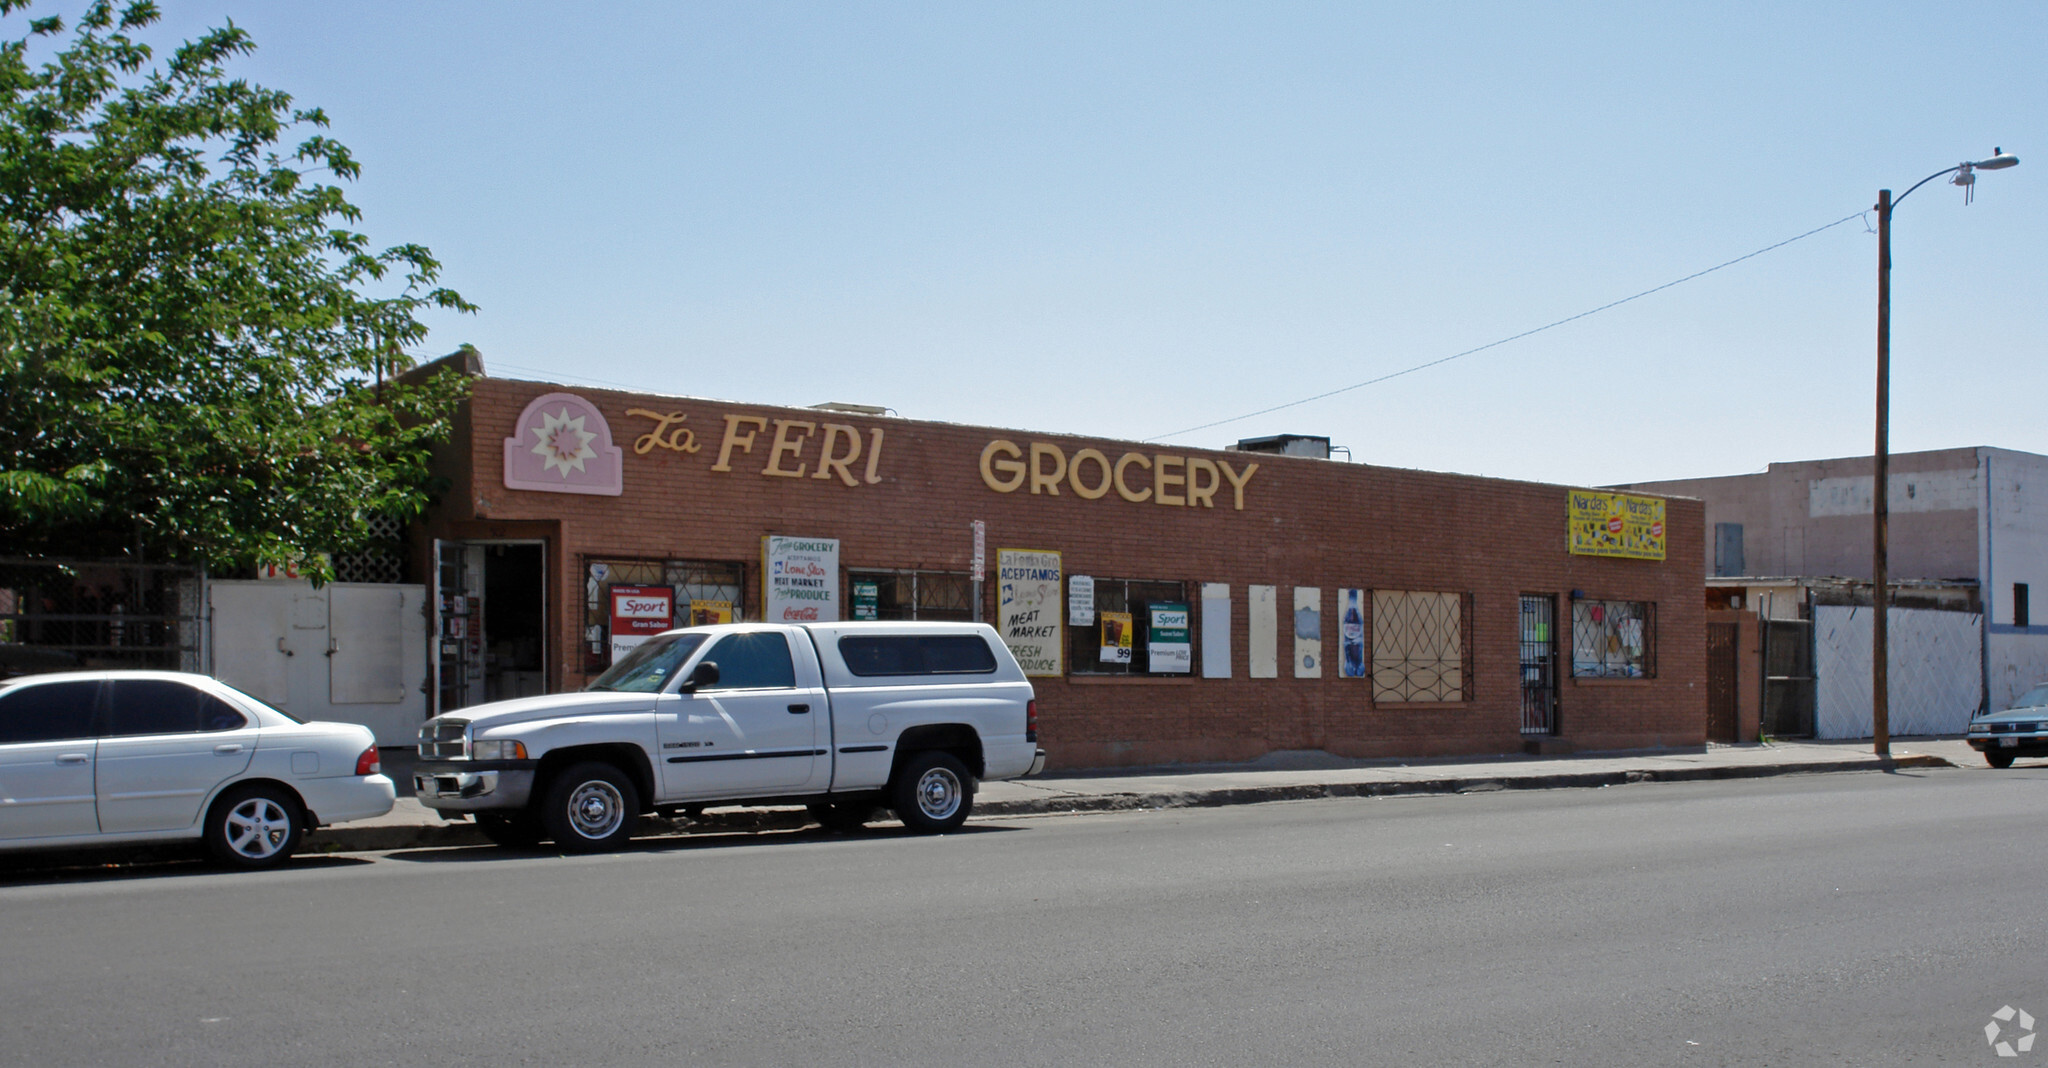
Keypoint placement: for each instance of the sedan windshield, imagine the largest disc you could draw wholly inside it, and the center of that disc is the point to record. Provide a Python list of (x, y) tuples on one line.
[(650, 665), (2033, 698)]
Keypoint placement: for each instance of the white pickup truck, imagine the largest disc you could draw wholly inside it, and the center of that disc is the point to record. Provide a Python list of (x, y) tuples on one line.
[(843, 717)]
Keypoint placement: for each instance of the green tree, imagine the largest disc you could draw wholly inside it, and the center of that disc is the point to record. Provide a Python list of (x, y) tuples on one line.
[(192, 342)]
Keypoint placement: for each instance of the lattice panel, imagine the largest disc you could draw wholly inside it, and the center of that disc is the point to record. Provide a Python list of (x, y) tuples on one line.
[(1418, 646)]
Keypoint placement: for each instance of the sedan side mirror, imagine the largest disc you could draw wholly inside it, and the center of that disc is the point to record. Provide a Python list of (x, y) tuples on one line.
[(705, 674)]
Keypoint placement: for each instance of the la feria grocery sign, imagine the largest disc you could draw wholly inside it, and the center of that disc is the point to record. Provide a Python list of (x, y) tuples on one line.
[(1159, 477), (563, 444)]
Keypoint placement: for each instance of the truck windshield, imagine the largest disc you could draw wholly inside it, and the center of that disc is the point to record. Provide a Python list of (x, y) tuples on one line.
[(650, 665)]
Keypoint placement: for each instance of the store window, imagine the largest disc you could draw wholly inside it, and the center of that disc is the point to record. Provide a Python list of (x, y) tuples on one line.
[(1613, 639), (932, 595), (705, 591), (1420, 646), (1115, 644)]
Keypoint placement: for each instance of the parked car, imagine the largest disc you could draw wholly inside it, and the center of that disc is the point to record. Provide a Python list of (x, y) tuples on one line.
[(845, 718), (2019, 731), (91, 758)]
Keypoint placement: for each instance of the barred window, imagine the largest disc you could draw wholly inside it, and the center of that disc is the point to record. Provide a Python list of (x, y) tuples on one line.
[(1125, 601), (1419, 647), (942, 595), (1613, 639), (706, 591)]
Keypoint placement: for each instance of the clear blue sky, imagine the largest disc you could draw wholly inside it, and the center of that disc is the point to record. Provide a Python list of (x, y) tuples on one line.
[(1125, 219)]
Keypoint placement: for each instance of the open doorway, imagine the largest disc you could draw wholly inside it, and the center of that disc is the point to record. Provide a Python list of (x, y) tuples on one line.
[(492, 603)]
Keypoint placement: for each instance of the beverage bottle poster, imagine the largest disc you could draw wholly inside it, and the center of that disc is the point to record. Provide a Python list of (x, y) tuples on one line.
[(1116, 637), (1352, 633)]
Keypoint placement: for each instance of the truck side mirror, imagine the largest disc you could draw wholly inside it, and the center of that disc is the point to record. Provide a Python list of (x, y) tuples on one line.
[(705, 674)]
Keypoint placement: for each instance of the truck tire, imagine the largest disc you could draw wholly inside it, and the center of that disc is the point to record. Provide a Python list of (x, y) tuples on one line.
[(933, 793), (254, 826), (516, 831), (843, 815), (590, 807)]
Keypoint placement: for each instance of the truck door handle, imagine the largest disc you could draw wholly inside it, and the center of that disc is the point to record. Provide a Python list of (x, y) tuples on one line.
[(799, 710), (71, 758)]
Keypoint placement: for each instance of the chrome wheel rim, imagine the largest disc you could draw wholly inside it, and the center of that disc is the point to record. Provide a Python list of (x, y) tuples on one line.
[(938, 794), (596, 809), (258, 828)]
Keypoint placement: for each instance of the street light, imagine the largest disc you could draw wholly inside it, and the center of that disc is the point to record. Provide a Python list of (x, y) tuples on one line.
[(1880, 681)]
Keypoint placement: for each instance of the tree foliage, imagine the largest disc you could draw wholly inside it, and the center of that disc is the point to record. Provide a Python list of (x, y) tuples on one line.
[(191, 338)]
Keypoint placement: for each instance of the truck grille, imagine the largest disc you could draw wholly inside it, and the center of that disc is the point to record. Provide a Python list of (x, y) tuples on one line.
[(444, 739)]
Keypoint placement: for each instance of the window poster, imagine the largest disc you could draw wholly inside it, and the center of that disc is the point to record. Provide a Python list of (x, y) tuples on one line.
[(703, 613), (639, 613), (1262, 645), (1351, 632), (1080, 600), (799, 579), (1167, 643), (1215, 630), (867, 599), (1116, 637), (1308, 632), (1028, 608)]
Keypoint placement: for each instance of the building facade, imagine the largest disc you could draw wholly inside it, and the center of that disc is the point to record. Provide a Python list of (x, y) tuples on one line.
[(1968, 541), (1172, 604)]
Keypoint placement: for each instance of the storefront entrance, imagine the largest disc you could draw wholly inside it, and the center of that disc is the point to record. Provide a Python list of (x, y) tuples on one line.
[(490, 621)]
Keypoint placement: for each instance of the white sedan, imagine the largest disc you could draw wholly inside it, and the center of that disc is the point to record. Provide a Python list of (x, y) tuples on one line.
[(125, 757)]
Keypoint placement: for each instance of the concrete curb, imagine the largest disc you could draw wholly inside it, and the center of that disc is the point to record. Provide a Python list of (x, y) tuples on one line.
[(348, 838)]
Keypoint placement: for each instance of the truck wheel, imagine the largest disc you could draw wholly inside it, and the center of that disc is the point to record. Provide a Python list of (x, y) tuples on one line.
[(843, 815), (1997, 759), (590, 807), (254, 826), (933, 794), (520, 831)]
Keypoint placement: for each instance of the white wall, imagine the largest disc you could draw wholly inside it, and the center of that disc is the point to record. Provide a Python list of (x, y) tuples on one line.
[(2015, 549)]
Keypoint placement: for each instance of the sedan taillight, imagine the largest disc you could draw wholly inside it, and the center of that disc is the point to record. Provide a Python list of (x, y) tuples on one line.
[(368, 764)]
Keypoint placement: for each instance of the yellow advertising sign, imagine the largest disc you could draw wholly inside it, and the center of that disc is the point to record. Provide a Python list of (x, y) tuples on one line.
[(1615, 524)]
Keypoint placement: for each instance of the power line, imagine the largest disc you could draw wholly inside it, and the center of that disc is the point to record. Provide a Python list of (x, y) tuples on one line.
[(1505, 340)]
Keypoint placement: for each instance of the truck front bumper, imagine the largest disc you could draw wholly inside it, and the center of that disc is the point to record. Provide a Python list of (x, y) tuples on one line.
[(463, 786)]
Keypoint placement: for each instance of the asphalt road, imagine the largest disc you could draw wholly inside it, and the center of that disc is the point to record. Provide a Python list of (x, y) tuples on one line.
[(1842, 919)]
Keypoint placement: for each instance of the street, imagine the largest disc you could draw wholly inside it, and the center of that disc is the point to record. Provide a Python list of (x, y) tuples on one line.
[(1847, 918)]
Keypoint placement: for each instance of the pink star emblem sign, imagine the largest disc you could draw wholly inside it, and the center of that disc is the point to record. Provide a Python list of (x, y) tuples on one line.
[(562, 444)]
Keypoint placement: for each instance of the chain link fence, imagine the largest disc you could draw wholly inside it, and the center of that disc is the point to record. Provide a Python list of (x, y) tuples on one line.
[(57, 615)]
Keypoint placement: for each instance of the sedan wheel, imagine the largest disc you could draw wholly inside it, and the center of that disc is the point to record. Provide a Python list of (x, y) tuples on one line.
[(254, 827)]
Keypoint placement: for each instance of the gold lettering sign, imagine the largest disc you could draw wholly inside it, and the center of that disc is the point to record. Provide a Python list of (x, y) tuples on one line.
[(840, 446), (1176, 482), (679, 439)]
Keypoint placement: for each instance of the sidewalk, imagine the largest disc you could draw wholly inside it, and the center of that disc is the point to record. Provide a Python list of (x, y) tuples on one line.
[(1286, 776)]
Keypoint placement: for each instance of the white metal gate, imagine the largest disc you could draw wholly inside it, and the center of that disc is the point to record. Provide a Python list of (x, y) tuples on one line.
[(1936, 671), (348, 652)]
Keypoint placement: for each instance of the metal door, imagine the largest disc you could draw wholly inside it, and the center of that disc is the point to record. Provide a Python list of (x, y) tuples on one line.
[(1788, 678), (1721, 686), (1539, 663)]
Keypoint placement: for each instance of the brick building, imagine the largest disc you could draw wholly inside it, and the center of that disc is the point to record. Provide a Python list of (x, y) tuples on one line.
[(1201, 605)]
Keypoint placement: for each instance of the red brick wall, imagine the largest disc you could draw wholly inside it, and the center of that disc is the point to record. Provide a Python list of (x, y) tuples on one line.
[(1304, 523)]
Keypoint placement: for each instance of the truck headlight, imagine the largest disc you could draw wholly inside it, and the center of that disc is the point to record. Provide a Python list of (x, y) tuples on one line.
[(497, 749)]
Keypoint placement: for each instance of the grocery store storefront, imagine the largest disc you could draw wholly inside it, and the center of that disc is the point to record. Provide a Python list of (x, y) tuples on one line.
[(1170, 604)]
